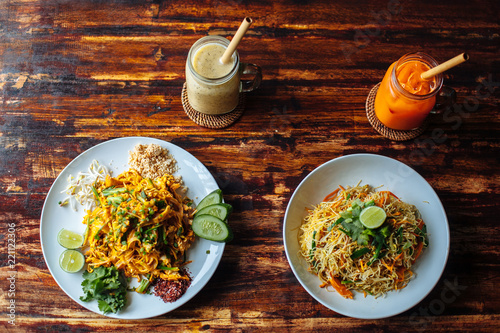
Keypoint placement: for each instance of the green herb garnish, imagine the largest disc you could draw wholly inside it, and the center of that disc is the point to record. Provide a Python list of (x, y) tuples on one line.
[(107, 286), (359, 253), (313, 246), (113, 191), (143, 286)]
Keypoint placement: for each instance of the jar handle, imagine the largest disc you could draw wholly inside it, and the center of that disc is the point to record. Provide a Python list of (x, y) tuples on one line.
[(445, 99), (254, 83)]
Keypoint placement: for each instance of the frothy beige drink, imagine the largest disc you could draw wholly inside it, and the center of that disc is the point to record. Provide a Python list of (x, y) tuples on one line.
[(207, 62), (214, 87)]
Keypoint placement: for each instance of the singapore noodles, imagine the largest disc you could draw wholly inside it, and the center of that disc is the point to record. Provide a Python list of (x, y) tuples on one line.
[(348, 256), (140, 225)]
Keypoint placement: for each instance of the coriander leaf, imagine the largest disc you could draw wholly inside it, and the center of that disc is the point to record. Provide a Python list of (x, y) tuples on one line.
[(355, 230), (104, 306), (356, 211), (357, 204), (358, 224), (107, 286), (363, 239), (385, 231), (346, 214)]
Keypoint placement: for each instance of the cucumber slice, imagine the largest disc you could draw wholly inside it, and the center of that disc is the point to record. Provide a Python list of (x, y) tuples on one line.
[(211, 228), (220, 210), (213, 197)]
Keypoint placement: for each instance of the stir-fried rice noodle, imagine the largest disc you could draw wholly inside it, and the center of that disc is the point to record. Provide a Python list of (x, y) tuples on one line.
[(328, 249), (141, 226)]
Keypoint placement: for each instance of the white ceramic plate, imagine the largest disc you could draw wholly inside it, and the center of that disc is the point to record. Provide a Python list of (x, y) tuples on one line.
[(205, 255), (410, 187)]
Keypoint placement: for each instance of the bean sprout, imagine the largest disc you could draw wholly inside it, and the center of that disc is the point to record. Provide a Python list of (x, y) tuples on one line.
[(79, 189)]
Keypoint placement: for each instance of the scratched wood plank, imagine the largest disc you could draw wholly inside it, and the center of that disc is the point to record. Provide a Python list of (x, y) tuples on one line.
[(97, 60), (73, 45)]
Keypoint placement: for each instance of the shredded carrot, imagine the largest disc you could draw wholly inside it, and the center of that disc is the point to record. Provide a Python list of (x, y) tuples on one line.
[(362, 266), (390, 193), (342, 261), (340, 288), (335, 204), (418, 250), (393, 195), (331, 195), (421, 224), (394, 262), (401, 274), (338, 236), (402, 222), (386, 266)]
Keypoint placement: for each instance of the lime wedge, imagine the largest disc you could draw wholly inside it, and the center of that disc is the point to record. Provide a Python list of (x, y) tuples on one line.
[(372, 217), (69, 239), (71, 261)]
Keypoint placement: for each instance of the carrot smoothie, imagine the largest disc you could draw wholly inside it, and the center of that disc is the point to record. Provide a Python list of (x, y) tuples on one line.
[(404, 99)]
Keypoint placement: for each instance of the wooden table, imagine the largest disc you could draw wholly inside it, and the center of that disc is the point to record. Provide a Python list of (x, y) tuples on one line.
[(78, 73)]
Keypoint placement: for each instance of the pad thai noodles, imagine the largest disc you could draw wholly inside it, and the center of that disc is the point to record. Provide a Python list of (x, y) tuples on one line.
[(348, 256), (141, 226)]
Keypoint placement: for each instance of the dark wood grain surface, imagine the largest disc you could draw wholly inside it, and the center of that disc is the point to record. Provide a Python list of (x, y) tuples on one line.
[(77, 73)]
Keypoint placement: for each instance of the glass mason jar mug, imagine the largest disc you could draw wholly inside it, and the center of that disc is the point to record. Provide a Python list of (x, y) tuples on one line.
[(404, 99), (213, 87)]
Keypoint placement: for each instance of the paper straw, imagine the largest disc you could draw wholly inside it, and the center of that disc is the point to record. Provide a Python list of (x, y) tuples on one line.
[(236, 40), (445, 66)]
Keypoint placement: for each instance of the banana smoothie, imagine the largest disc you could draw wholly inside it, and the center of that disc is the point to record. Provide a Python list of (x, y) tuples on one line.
[(212, 87)]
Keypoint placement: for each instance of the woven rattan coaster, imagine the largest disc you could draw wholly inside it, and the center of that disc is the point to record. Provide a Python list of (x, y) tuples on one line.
[(212, 121), (385, 131)]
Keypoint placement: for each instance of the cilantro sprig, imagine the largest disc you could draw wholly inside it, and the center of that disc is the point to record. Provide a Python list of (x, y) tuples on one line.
[(107, 286), (350, 225)]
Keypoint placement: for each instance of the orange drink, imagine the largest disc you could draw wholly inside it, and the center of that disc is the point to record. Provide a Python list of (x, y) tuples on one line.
[(403, 98)]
